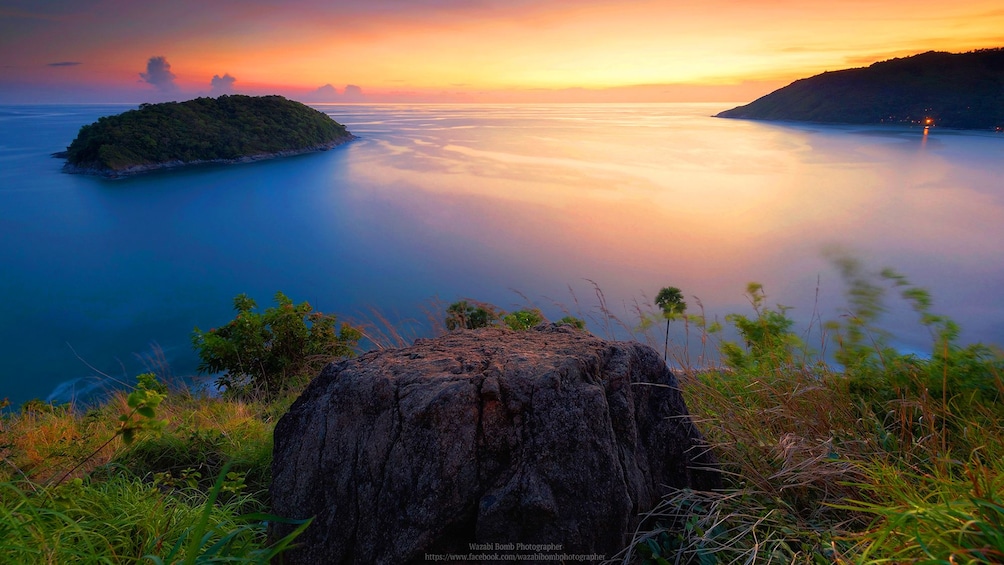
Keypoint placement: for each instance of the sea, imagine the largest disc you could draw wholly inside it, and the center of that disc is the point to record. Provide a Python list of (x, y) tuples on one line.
[(585, 210)]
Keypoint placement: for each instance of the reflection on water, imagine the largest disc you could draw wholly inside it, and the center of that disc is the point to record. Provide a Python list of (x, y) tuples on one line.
[(476, 201), (634, 196)]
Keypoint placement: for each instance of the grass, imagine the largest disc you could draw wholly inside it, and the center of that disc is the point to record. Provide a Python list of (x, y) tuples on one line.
[(880, 457), (191, 492), (127, 520)]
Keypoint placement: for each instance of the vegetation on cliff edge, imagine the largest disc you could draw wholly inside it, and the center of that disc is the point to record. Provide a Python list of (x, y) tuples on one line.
[(888, 457)]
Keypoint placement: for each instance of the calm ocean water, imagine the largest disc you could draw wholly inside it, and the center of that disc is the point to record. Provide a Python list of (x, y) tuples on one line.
[(488, 202)]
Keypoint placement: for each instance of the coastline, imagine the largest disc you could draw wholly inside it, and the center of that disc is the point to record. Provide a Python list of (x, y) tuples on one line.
[(140, 169), (891, 125)]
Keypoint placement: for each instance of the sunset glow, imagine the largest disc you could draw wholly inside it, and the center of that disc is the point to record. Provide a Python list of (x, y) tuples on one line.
[(453, 50)]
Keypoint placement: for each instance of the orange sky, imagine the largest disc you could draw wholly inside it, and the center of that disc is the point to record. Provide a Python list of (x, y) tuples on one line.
[(471, 50)]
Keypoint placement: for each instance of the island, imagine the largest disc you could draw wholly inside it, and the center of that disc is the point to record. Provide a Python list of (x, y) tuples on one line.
[(227, 129), (951, 90)]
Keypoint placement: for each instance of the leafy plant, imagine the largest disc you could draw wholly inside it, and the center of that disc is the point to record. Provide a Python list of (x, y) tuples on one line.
[(522, 320), (266, 353), (463, 315), (142, 415), (770, 345), (207, 543), (37, 406), (191, 458), (577, 323), (957, 376), (187, 477)]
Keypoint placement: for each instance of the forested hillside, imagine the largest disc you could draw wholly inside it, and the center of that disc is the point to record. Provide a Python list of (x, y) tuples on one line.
[(228, 128), (963, 91)]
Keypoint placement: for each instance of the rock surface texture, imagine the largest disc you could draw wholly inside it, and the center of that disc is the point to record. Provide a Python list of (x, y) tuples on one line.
[(550, 436)]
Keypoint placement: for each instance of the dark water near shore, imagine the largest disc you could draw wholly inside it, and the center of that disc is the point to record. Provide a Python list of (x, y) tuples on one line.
[(480, 201)]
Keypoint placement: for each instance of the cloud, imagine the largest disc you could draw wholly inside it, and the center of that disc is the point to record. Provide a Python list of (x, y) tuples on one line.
[(158, 73), (65, 64), (353, 93), (223, 84), (326, 92)]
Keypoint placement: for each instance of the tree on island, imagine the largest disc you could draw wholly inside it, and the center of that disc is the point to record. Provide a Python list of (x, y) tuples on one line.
[(933, 89), (204, 130)]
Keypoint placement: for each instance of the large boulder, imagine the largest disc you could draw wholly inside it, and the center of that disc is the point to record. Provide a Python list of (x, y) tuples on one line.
[(550, 436)]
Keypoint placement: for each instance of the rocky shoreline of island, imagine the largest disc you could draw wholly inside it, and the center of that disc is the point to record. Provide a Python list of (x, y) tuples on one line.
[(109, 173), (226, 130)]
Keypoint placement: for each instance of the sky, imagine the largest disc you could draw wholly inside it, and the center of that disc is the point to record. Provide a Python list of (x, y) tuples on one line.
[(462, 50)]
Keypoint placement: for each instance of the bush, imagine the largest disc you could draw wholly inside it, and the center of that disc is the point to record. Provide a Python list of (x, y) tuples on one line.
[(770, 345), (463, 315), (522, 320), (268, 353), (577, 323)]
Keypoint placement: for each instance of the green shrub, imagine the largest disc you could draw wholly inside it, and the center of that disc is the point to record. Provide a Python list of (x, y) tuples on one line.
[(577, 323), (473, 315), (194, 456), (522, 320), (462, 315), (770, 345), (268, 353)]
